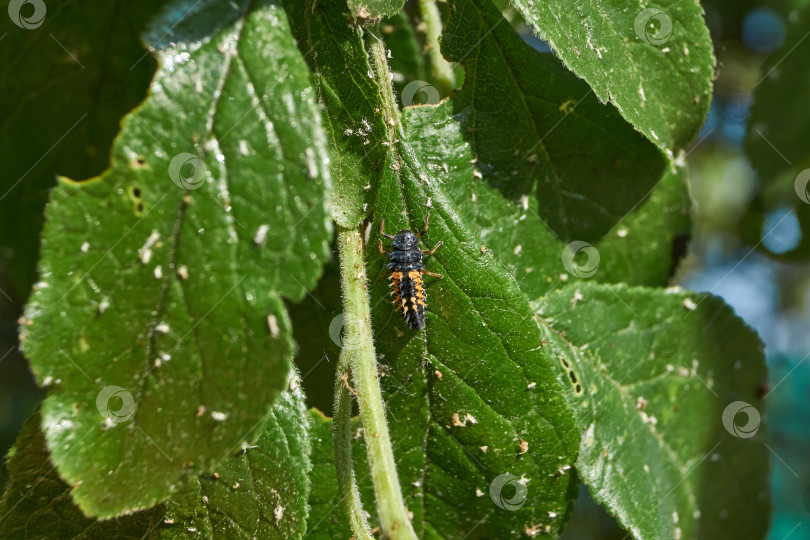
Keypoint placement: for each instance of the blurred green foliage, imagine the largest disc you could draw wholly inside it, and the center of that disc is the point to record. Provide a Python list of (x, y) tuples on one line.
[(726, 190)]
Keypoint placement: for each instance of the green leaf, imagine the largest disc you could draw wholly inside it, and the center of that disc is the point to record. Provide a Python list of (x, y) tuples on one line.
[(775, 141), (407, 60), (656, 377), (531, 157), (326, 515), (61, 117), (159, 322), (497, 408), (261, 492), (371, 11), (37, 503), (336, 56), (647, 246), (654, 62), (473, 399)]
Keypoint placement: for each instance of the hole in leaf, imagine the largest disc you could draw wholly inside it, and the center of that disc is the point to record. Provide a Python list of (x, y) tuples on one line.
[(134, 192)]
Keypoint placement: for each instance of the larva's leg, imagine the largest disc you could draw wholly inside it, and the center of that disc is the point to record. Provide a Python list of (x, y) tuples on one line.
[(432, 251), (427, 217), (382, 232)]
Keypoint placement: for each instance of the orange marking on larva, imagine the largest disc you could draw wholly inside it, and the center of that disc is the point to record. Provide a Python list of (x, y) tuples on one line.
[(406, 276)]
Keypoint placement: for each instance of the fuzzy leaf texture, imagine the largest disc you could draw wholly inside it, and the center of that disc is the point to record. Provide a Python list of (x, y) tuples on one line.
[(327, 519), (158, 324), (272, 475), (668, 413), (336, 56), (370, 11), (653, 61), (474, 397), (259, 492), (528, 154), (37, 502)]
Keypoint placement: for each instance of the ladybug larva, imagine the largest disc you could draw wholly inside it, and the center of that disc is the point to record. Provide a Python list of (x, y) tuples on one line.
[(406, 273)]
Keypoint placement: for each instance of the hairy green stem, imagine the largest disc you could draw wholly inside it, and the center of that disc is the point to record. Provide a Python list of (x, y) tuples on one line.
[(379, 59), (342, 440), (441, 69), (359, 357)]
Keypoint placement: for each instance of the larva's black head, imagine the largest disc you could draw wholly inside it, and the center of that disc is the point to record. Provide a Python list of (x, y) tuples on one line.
[(405, 240)]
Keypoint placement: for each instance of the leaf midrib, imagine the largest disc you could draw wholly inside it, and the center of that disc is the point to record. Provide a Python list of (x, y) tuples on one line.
[(627, 404), (170, 275), (499, 338)]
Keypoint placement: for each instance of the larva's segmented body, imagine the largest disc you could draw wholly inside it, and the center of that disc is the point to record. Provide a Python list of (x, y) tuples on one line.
[(409, 296), (407, 285)]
